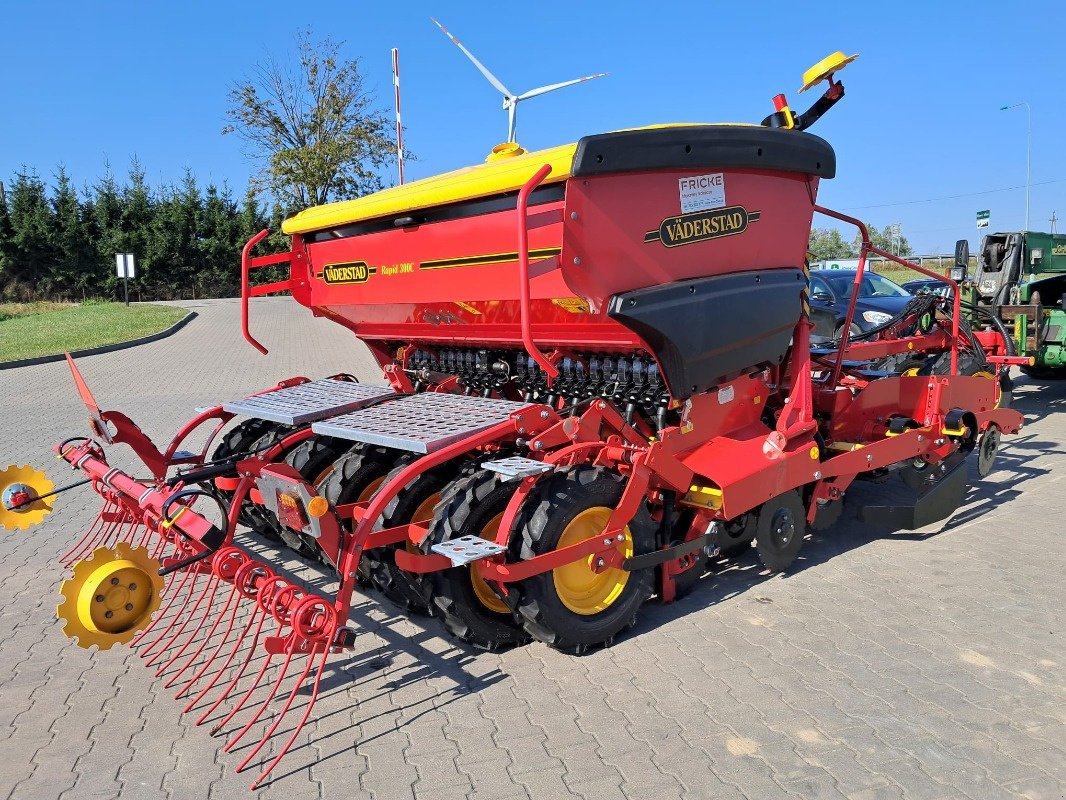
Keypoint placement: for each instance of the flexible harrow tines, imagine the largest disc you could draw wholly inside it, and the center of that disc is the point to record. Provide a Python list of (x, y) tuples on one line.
[(221, 655), (114, 523)]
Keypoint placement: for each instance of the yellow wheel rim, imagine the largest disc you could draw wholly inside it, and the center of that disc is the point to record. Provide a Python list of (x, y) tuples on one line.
[(425, 510), (579, 587), (910, 373), (321, 477), (371, 487), (483, 591), (112, 594)]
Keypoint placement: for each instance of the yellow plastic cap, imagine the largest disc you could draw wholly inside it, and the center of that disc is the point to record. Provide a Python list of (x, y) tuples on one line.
[(824, 68)]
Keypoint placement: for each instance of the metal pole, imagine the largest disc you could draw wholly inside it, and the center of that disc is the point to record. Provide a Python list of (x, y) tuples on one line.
[(1028, 151), (399, 125)]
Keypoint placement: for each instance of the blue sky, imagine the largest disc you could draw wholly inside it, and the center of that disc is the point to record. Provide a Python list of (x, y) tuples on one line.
[(92, 83)]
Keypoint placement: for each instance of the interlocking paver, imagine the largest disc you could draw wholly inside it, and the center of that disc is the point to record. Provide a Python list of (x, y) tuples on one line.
[(881, 667)]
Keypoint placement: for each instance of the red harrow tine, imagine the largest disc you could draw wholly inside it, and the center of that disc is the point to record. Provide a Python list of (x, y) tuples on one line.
[(315, 625), (98, 532), (165, 610), (224, 565), (208, 594), (254, 581), (277, 606)]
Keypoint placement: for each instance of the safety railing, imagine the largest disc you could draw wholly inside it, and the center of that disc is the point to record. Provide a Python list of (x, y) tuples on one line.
[(248, 291), (867, 248), (523, 273)]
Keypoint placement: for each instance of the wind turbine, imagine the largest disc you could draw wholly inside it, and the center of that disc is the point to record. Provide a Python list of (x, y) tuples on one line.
[(510, 99)]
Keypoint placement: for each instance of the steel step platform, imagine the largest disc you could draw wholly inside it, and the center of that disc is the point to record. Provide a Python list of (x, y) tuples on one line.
[(308, 402), (517, 467), (420, 423)]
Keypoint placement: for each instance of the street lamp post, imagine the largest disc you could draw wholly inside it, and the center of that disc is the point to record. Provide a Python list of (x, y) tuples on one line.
[(1028, 150)]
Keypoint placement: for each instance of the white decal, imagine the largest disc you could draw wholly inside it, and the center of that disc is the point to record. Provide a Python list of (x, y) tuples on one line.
[(725, 395), (701, 192)]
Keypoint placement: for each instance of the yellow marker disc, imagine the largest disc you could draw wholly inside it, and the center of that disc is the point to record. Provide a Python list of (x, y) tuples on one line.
[(111, 596), (18, 485), (824, 68)]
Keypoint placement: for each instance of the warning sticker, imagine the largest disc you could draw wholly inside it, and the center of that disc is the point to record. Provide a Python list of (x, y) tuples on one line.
[(701, 192)]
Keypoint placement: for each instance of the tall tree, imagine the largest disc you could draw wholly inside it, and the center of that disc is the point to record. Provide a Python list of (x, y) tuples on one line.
[(886, 240), (74, 271), (827, 243), (312, 125), (33, 250)]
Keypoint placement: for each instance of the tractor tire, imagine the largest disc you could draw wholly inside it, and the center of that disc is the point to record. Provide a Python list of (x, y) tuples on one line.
[(313, 459), (780, 528), (973, 364), (573, 608), (243, 440), (466, 604), (355, 477), (239, 439)]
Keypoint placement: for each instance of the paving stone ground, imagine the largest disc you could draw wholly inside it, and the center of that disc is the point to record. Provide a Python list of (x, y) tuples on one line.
[(882, 666)]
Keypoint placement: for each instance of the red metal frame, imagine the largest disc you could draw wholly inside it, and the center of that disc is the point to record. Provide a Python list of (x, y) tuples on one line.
[(248, 291)]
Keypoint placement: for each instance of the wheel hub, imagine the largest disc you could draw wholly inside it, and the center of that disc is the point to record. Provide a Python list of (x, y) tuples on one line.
[(782, 527), (111, 596), (579, 585), (22, 501)]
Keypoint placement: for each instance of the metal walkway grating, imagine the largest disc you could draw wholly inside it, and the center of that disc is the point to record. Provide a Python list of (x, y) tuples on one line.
[(420, 423), (308, 401)]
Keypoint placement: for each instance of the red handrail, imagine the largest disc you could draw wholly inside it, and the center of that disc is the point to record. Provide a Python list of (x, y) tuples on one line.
[(867, 247), (246, 289), (523, 272)]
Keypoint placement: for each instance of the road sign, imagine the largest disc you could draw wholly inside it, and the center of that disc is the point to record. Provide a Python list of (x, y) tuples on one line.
[(982, 219), (126, 267)]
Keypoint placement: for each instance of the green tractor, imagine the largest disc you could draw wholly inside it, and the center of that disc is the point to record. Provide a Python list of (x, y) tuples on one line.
[(1020, 288)]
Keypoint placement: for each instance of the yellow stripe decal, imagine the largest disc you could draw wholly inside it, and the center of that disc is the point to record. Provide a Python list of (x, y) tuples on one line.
[(494, 258)]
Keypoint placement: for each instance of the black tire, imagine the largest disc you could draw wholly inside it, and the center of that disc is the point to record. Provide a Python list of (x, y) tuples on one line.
[(472, 506), (238, 440), (355, 477), (315, 458), (243, 440), (545, 516), (781, 527), (414, 503)]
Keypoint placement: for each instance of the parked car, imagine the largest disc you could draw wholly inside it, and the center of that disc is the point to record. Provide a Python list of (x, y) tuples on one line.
[(930, 285), (879, 298)]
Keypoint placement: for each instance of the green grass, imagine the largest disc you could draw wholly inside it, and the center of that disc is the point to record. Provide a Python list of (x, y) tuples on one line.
[(47, 331), (12, 310)]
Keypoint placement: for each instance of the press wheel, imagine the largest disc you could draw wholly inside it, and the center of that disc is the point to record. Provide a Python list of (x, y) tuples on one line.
[(781, 526), (574, 607)]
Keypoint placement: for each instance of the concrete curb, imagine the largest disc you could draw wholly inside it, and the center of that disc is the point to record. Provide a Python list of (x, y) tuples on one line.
[(107, 348)]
